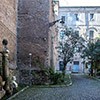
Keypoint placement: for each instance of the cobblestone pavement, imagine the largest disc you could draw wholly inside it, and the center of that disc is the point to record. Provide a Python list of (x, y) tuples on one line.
[(83, 88)]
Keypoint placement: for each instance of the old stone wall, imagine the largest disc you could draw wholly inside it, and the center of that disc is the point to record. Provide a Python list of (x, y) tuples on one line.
[(34, 35), (33, 27)]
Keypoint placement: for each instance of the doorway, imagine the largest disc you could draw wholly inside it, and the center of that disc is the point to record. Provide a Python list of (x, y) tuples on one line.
[(75, 67)]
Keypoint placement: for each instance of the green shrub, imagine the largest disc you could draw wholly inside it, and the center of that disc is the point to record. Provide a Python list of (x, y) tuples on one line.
[(48, 76), (55, 78), (40, 77)]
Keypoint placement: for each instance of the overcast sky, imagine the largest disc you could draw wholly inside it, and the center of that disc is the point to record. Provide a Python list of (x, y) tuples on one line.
[(79, 2)]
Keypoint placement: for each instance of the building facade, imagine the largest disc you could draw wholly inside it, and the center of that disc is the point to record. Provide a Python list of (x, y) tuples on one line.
[(8, 24), (84, 21), (35, 30)]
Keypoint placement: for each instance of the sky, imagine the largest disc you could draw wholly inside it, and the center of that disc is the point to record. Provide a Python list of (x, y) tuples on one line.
[(79, 2)]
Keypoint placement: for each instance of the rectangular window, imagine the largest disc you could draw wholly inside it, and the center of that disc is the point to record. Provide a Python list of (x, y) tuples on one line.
[(91, 34), (77, 32), (76, 62), (76, 17), (91, 16), (63, 18), (61, 66)]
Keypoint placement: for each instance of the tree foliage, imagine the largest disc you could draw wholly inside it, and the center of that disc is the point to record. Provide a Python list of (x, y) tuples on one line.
[(92, 52), (67, 45)]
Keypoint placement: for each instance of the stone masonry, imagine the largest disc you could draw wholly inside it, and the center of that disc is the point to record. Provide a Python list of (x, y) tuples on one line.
[(34, 34), (33, 31)]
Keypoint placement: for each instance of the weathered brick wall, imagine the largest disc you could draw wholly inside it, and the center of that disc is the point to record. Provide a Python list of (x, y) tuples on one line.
[(34, 35), (33, 27), (8, 16)]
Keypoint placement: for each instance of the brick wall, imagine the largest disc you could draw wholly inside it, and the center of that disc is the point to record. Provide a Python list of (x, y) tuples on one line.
[(34, 35), (33, 28), (8, 12)]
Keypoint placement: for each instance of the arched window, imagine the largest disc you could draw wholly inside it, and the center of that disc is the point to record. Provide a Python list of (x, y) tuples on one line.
[(92, 31), (91, 34)]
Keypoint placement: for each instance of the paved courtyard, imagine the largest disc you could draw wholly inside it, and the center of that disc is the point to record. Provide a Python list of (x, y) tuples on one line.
[(83, 88)]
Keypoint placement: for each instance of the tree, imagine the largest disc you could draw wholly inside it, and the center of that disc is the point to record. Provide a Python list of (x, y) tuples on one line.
[(69, 41), (92, 52)]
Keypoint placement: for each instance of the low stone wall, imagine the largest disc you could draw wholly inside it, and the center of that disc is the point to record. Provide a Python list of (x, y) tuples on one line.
[(33, 77)]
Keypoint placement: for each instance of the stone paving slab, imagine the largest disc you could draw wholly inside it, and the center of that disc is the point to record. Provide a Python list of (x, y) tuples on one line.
[(83, 88)]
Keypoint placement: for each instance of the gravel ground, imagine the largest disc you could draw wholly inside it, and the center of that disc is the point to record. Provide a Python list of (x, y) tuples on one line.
[(83, 88)]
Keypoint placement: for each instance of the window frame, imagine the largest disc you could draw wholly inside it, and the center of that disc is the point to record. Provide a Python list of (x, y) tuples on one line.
[(91, 36), (91, 16), (76, 17)]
